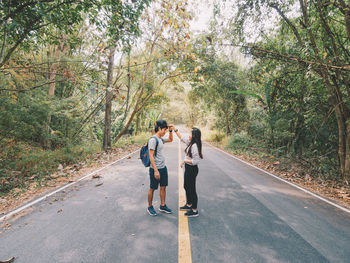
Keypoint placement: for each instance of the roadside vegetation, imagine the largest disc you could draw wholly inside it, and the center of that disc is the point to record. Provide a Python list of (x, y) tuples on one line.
[(81, 78), (285, 104), (266, 79)]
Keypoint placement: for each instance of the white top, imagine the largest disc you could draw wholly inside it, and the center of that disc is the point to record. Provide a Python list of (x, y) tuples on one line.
[(194, 150)]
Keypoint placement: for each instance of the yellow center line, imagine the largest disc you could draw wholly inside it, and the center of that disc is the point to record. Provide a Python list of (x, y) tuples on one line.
[(184, 234)]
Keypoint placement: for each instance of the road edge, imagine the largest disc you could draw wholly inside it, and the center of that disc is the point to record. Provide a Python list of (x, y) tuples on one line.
[(283, 180), (25, 206)]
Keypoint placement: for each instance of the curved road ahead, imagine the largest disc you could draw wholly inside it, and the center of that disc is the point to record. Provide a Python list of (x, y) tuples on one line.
[(246, 215)]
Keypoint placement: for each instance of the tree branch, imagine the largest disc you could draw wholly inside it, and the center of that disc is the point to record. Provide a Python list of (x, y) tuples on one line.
[(35, 87)]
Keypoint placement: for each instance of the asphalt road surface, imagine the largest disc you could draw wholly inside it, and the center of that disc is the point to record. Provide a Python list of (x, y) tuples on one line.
[(245, 216)]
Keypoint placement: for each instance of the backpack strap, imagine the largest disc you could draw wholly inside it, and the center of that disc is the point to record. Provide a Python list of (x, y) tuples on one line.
[(155, 151)]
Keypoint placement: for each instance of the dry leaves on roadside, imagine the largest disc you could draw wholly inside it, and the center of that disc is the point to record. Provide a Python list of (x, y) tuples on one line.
[(96, 176)]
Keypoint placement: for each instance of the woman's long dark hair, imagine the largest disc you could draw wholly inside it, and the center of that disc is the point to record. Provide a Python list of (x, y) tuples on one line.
[(196, 139)]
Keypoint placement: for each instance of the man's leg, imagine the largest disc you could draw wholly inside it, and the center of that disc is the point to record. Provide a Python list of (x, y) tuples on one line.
[(150, 196), (163, 184), (162, 193)]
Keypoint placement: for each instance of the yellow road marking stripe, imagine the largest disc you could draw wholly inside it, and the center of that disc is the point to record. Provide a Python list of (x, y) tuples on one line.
[(184, 234)]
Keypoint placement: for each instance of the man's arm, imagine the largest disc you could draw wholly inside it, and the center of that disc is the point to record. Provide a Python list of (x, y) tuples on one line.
[(170, 138), (170, 135), (153, 163)]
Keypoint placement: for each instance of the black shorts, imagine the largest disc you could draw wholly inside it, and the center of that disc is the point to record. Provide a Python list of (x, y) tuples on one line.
[(163, 178)]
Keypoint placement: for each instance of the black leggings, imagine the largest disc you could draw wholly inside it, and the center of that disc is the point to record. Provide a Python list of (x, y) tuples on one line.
[(191, 172)]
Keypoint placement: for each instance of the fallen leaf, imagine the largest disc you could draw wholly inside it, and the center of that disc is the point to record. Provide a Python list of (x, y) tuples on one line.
[(95, 176), (99, 184), (129, 157), (59, 211), (8, 261)]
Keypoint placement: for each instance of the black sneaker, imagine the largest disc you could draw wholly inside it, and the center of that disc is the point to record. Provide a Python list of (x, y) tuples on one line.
[(165, 209), (185, 208), (151, 211), (191, 213)]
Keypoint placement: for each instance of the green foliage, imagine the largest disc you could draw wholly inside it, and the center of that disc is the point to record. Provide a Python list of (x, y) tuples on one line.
[(239, 142), (216, 82), (26, 118), (216, 137), (307, 103), (52, 80), (139, 139), (28, 23), (21, 163)]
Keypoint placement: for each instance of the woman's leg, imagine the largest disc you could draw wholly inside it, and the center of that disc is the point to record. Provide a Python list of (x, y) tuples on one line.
[(192, 186), (193, 191), (186, 185)]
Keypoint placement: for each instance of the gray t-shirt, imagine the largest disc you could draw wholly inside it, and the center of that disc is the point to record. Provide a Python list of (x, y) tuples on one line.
[(159, 158)]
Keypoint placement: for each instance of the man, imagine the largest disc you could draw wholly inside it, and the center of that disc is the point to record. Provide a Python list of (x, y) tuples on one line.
[(158, 171)]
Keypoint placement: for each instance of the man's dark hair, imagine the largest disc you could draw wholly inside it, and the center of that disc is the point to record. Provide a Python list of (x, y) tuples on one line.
[(160, 124)]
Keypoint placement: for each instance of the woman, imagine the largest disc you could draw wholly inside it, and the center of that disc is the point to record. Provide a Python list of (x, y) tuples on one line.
[(192, 157)]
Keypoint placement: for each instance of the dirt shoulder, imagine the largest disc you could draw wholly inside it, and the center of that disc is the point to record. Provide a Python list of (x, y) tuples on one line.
[(334, 191), (68, 174)]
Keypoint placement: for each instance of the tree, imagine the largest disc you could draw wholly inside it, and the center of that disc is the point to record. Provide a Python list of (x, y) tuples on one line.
[(320, 33), (165, 32), (123, 27)]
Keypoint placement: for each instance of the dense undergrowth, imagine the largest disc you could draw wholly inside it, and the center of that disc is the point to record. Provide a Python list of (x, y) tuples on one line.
[(22, 163), (317, 167)]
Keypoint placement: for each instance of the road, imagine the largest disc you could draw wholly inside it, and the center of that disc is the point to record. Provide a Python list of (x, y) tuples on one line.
[(245, 216)]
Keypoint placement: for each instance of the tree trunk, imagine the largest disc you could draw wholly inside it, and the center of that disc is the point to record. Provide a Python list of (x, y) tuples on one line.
[(135, 111), (345, 8), (52, 73), (56, 55), (109, 96), (137, 127), (129, 86), (336, 98)]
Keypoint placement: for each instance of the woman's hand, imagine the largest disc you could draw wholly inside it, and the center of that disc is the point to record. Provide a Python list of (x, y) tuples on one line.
[(182, 164)]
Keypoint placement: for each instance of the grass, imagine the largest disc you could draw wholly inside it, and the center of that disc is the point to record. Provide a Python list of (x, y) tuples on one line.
[(245, 145), (138, 139), (22, 164)]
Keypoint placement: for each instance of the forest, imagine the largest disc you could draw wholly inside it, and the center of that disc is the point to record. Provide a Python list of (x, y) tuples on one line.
[(264, 78)]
